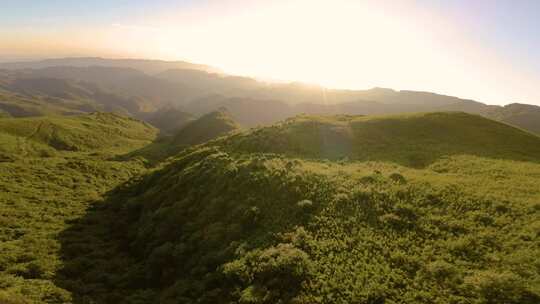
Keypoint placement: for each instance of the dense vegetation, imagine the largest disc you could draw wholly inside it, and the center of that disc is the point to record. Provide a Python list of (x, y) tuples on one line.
[(394, 209), (44, 136), (195, 132), (209, 126), (51, 170), (412, 140)]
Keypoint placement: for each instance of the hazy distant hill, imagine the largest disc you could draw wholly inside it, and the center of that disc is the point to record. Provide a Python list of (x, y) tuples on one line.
[(524, 116), (24, 93), (127, 87), (147, 66), (207, 127), (168, 119)]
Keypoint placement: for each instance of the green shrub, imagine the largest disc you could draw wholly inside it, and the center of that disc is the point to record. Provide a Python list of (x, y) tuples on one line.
[(271, 275), (305, 204), (398, 178), (501, 287), (11, 298)]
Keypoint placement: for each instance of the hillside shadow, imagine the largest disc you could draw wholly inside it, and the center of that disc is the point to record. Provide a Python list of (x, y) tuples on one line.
[(95, 253), (120, 251), (153, 153)]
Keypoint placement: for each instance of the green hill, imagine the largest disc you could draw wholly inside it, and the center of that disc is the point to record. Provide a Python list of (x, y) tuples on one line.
[(168, 120), (252, 218), (193, 132), (412, 140), (52, 169), (83, 133), (207, 127)]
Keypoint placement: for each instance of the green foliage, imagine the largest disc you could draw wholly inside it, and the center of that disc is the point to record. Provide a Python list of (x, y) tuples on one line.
[(415, 140), (272, 275), (43, 136), (207, 127), (43, 194), (223, 223), (505, 287), (193, 132)]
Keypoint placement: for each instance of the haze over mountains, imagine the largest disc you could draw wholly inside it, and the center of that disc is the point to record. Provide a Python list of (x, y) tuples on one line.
[(145, 88)]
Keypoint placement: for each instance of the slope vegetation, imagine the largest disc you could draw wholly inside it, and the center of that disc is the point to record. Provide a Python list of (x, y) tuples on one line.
[(52, 169), (194, 132), (252, 219), (84, 133), (207, 127), (412, 140)]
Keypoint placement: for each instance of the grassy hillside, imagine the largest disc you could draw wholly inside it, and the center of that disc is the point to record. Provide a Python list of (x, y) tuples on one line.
[(217, 224), (207, 127), (194, 132), (251, 218), (412, 140), (90, 132), (52, 169)]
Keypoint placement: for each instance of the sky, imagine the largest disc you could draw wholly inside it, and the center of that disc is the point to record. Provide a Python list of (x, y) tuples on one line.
[(487, 50)]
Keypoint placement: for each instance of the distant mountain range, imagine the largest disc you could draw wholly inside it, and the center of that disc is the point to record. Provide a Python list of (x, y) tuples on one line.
[(155, 90), (144, 65)]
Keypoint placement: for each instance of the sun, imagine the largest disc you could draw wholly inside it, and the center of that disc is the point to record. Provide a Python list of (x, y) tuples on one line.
[(334, 43), (337, 44)]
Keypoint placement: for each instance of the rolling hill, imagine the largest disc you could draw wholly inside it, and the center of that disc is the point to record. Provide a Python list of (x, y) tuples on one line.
[(207, 127), (36, 136), (138, 88), (521, 115), (194, 132), (411, 140), (252, 218), (52, 168)]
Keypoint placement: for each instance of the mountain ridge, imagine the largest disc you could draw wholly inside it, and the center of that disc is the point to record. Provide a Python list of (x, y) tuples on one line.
[(146, 65), (129, 90)]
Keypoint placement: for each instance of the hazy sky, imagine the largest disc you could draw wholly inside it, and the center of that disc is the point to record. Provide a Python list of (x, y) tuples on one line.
[(487, 50)]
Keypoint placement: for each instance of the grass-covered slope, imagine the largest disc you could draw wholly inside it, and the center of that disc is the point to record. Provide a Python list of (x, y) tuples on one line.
[(412, 140), (51, 170), (193, 132), (217, 224), (89, 132), (207, 127)]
